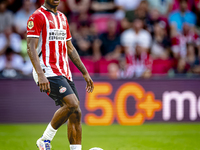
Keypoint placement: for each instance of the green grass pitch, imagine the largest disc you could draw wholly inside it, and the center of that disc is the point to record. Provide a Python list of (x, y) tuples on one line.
[(114, 137)]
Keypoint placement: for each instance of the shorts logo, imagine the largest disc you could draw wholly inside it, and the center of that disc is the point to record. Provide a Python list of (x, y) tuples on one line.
[(63, 89), (30, 24)]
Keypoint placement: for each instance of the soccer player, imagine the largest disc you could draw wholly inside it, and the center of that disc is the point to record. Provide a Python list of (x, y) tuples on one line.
[(49, 46)]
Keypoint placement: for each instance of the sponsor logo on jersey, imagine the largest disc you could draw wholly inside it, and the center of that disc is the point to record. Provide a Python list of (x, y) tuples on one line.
[(31, 18), (63, 89), (30, 31), (51, 21), (57, 35), (30, 24)]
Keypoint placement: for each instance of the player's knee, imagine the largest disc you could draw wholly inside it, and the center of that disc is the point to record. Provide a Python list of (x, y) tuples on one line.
[(75, 118), (73, 107), (78, 112)]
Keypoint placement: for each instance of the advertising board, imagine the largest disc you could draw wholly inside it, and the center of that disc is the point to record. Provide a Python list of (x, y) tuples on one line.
[(125, 102)]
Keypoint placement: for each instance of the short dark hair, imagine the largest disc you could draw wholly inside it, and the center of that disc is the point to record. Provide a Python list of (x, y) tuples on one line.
[(180, 1), (3, 1), (137, 18)]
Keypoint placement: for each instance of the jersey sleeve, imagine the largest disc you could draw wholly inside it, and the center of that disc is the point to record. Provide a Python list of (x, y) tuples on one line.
[(69, 37), (34, 25)]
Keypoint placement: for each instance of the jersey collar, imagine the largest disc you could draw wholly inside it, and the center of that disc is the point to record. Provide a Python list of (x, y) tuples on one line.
[(49, 10)]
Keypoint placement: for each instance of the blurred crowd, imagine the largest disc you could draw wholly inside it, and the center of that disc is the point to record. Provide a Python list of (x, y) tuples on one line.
[(115, 38)]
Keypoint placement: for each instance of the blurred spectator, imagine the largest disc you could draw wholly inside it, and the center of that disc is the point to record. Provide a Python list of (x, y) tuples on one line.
[(161, 42), (180, 40), (140, 64), (103, 6), (97, 38), (192, 58), (176, 4), (163, 6), (153, 18), (122, 73), (103, 11), (181, 16), (27, 68), (78, 6), (83, 40), (63, 7), (113, 70), (181, 67), (10, 63), (14, 5), (21, 17), (6, 16), (10, 58), (79, 11), (197, 6), (136, 35), (8, 39), (125, 5), (140, 12), (108, 44)]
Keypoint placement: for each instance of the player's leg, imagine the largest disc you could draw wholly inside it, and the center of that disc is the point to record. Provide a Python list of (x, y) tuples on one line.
[(75, 130), (74, 124), (69, 104), (72, 113)]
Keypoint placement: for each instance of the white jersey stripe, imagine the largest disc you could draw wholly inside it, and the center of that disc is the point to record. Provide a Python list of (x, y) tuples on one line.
[(66, 56), (60, 21), (56, 46), (33, 36), (39, 49), (68, 39), (43, 7), (49, 71), (47, 39), (63, 43), (47, 46)]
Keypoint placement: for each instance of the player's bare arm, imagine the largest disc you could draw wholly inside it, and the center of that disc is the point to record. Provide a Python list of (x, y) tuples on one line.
[(73, 55), (31, 49)]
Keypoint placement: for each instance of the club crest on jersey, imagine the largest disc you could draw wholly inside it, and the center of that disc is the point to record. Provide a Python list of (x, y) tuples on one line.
[(63, 89), (30, 24)]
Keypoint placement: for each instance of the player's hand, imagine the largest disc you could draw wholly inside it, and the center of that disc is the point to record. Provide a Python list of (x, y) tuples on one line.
[(43, 84), (90, 85)]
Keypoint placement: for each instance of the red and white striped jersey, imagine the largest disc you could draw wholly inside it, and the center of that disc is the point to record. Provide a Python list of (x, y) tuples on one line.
[(52, 29)]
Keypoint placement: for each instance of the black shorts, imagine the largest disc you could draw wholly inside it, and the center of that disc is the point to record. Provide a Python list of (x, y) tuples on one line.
[(61, 87)]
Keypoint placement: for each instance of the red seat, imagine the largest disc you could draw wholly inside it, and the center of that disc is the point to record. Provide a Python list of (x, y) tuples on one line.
[(162, 66), (100, 22), (89, 64), (102, 65)]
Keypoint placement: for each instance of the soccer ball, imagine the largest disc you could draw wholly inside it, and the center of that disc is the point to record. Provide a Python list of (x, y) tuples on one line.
[(95, 148)]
